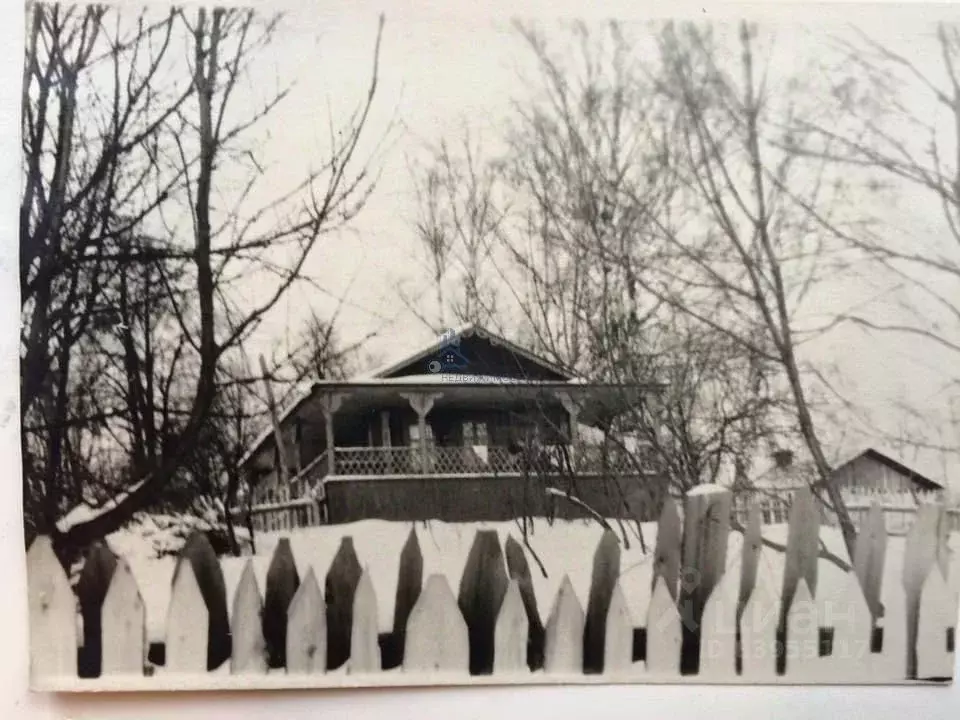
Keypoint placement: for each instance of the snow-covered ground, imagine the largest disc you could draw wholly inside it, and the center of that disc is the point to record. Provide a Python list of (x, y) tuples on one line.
[(566, 547)]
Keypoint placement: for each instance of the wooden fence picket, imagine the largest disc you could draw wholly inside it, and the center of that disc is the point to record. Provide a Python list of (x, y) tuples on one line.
[(891, 661), (53, 614), (937, 618), (482, 587), (187, 625), (563, 644), (618, 634), (307, 628), (519, 570), (199, 554), (718, 633), (409, 585), (343, 576), (758, 635), (246, 628), (750, 554), (802, 636), (603, 580), (437, 639), (803, 547), (664, 632), (282, 583), (666, 562), (123, 625), (91, 590), (511, 633), (921, 551), (706, 529), (365, 633), (869, 556)]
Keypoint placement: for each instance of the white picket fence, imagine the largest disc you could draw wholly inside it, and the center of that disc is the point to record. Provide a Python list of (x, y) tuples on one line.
[(730, 622)]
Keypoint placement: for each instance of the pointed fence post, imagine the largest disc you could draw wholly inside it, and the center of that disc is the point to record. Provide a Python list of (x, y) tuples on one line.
[(282, 583), (618, 640), (187, 625), (341, 585), (718, 646), (53, 615), (307, 629), (923, 549), (749, 563), (199, 554), (482, 587), (519, 570), (664, 632), (869, 556), (606, 571), (706, 528), (891, 663), (802, 555), (511, 633), (124, 625), (563, 648), (937, 617), (437, 638), (409, 585), (249, 653), (98, 569), (365, 633), (669, 544)]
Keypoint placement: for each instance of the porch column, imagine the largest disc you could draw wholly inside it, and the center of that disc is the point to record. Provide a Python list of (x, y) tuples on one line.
[(573, 408), (329, 404), (422, 404)]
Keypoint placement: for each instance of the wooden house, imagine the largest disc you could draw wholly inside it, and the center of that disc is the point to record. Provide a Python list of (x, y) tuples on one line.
[(471, 427), (868, 470)]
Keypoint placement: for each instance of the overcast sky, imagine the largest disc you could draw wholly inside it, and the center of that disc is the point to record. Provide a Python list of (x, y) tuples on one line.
[(442, 68)]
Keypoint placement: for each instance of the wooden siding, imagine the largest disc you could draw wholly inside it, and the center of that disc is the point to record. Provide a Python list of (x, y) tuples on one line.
[(868, 473), (487, 498)]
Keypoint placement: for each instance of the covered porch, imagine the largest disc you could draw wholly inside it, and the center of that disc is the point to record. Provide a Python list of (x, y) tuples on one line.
[(413, 429)]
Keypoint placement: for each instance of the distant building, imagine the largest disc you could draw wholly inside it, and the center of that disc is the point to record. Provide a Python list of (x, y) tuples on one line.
[(870, 469), (471, 427)]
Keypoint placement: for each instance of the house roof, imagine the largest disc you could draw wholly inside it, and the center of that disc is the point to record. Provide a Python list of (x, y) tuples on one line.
[(467, 331), (803, 471), (895, 465), (392, 375)]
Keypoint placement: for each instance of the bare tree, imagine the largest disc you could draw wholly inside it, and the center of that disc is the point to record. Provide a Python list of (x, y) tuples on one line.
[(459, 218), (894, 127), (139, 136)]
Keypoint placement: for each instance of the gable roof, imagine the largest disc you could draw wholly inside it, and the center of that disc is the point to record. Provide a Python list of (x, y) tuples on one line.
[(874, 454), (802, 472), (453, 337)]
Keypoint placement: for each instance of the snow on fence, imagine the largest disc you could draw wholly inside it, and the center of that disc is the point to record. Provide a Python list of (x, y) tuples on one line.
[(704, 623)]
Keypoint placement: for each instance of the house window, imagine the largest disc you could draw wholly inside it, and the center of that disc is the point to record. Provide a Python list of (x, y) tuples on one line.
[(474, 433)]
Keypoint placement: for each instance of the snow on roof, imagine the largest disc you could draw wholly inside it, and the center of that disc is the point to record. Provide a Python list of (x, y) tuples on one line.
[(449, 379)]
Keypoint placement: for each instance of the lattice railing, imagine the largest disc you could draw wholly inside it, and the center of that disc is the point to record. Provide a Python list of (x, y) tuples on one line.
[(375, 460)]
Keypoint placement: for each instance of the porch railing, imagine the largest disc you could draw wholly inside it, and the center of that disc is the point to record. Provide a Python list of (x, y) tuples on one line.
[(425, 461), (301, 503), (470, 460)]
